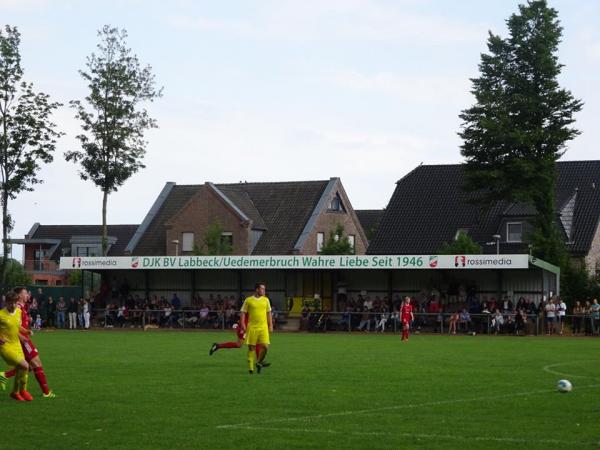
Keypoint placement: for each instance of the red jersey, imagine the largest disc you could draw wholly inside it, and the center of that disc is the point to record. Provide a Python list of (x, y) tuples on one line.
[(25, 318), (406, 312)]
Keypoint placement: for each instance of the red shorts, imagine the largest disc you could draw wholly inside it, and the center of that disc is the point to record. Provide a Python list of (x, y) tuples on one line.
[(405, 322), (29, 349)]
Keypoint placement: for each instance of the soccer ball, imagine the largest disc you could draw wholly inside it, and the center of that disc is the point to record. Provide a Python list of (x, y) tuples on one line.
[(564, 386), (235, 325)]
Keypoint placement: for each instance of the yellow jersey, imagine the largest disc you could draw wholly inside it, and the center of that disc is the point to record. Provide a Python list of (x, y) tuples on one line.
[(257, 308), (10, 324)]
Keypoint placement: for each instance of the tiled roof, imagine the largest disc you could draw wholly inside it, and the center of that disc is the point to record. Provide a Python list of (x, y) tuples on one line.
[(280, 208), (64, 233), (369, 219), (429, 206)]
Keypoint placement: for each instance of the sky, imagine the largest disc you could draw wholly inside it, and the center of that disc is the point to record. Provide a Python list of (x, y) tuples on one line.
[(278, 90)]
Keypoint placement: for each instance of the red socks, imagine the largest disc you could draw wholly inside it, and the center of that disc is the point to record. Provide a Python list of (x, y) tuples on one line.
[(10, 373), (40, 376), (229, 345)]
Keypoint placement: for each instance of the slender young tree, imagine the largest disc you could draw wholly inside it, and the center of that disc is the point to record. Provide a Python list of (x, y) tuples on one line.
[(112, 120), (521, 121), (27, 135), (338, 243)]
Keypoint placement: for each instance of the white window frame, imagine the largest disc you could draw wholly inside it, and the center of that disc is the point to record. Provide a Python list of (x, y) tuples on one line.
[(352, 240), (320, 241), (187, 245), (228, 234), (508, 224)]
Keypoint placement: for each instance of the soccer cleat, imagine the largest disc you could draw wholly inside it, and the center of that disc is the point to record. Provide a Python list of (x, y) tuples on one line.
[(251, 372), (17, 396), (26, 395), (265, 364), (2, 381), (50, 394), (213, 348), (258, 368)]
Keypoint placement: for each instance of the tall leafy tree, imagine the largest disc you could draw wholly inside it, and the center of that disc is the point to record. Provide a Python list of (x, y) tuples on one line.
[(521, 121), (112, 119), (27, 135)]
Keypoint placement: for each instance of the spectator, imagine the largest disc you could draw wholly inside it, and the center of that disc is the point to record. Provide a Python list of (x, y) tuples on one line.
[(464, 321), (122, 315), (86, 313), (497, 321), (550, 310), (72, 311), (561, 312), (61, 308), (383, 318), (452, 321), (365, 322), (50, 313), (595, 316), (578, 316)]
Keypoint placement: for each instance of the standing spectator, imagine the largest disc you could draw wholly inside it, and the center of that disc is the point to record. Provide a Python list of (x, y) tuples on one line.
[(80, 312), (595, 316), (33, 309), (50, 313), (72, 311), (61, 308), (561, 312), (520, 321), (86, 313), (454, 318), (550, 310), (464, 321), (578, 313)]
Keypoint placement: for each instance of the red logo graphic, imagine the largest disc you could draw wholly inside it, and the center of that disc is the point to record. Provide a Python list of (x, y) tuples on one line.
[(433, 262), (135, 262), (460, 261), (76, 262)]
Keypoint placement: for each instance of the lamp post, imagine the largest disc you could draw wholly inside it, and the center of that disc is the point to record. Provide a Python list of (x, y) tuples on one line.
[(497, 238), (176, 242)]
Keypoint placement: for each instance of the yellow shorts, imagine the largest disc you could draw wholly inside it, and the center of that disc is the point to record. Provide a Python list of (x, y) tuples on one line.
[(256, 336), (12, 354)]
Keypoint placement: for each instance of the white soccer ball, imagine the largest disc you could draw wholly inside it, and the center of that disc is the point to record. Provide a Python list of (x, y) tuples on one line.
[(564, 386), (235, 325)]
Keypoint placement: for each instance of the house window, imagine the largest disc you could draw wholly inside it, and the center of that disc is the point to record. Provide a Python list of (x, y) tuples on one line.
[(320, 239), (514, 232), (464, 231), (351, 239), (227, 238), (336, 204), (187, 242)]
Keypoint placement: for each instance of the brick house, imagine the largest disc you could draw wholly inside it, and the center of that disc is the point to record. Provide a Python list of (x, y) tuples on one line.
[(273, 218), (429, 207)]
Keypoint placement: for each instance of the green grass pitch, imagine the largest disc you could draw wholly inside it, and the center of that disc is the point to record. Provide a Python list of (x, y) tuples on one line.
[(160, 389)]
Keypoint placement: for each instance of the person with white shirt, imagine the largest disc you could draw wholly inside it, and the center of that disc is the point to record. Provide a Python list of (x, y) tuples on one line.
[(561, 312), (550, 310)]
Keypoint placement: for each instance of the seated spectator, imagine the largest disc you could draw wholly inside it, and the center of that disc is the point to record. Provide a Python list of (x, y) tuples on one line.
[(365, 322), (520, 322), (344, 323), (497, 321), (464, 321), (452, 321), (383, 318)]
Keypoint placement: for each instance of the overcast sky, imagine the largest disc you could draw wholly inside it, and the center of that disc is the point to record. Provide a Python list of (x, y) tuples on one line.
[(282, 90)]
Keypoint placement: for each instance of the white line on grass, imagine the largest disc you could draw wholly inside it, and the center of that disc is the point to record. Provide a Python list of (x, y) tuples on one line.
[(415, 435), (394, 407), (549, 368)]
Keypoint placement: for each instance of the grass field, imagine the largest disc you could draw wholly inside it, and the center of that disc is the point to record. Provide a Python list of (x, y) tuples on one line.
[(161, 390)]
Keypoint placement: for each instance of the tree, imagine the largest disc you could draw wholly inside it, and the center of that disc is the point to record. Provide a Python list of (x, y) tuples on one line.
[(113, 123), (462, 245), (27, 135), (15, 274), (521, 121), (75, 277), (337, 243), (213, 242)]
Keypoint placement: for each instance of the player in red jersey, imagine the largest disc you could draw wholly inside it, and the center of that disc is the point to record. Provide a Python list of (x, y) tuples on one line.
[(32, 356), (406, 316), (241, 338)]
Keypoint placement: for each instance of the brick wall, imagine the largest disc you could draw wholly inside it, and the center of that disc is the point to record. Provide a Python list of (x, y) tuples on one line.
[(328, 221), (593, 257), (204, 209)]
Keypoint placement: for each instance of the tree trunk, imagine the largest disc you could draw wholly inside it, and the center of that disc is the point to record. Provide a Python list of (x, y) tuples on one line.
[(5, 245), (104, 227)]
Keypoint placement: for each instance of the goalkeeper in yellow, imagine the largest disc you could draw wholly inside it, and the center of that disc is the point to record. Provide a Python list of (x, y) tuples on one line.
[(257, 308), (10, 347)]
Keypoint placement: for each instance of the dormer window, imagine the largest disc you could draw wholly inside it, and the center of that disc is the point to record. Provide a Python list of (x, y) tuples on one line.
[(460, 231), (336, 204), (514, 232)]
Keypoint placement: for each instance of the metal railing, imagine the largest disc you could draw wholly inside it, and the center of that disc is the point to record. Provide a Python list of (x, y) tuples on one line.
[(41, 265), (316, 321)]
